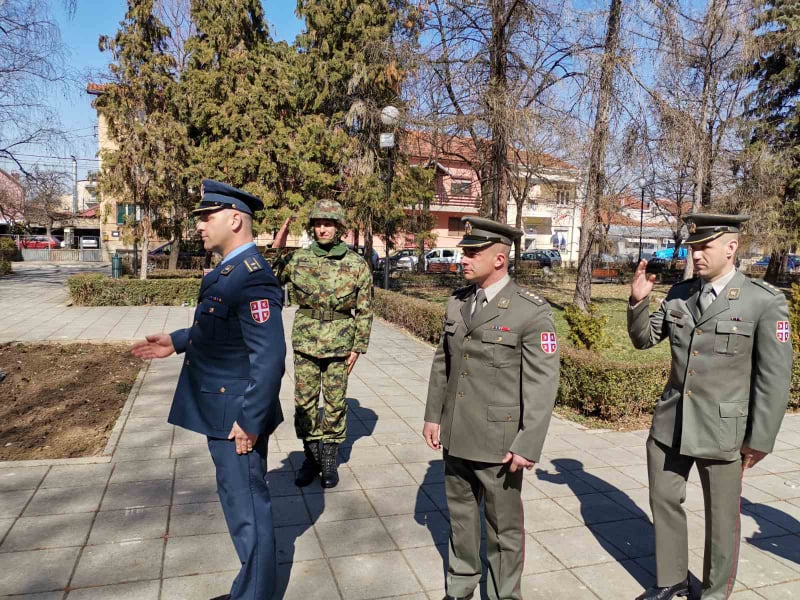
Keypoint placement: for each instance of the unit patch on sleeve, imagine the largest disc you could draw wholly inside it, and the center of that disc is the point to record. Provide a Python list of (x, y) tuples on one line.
[(782, 331), (549, 344), (259, 309)]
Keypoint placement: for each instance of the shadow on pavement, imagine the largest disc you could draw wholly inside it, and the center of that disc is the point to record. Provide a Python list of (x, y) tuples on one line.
[(766, 516)]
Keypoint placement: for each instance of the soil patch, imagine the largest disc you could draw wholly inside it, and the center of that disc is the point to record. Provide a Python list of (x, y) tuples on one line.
[(61, 401)]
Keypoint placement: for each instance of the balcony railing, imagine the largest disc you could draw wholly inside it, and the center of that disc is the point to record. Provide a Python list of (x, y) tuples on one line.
[(449, 200)]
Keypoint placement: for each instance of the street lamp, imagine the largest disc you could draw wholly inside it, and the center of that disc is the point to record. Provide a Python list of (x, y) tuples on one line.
[(642, 184), (390, 116)]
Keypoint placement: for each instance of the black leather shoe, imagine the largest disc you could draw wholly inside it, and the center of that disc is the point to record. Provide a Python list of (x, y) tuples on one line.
[(223, 597), (330, 473), (666, 593), (449, 597)]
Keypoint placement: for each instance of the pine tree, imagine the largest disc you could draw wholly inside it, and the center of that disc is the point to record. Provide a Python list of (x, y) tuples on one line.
[(349, 57), (147, 166), (773, 113)]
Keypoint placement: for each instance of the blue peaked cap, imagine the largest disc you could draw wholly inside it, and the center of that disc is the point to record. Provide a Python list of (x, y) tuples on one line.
[(217, 195)]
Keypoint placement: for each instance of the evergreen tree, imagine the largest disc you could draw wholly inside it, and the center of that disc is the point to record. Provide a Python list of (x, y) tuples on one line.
[(147, 165), (350, 63), (773, 112)]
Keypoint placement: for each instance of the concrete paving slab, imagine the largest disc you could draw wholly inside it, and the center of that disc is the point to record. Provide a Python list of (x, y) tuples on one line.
[(51, 531), (400, 500), (367, 576), (55, 501), (428, 564), (195, 519), (546, 514), (21, 478), (129, 525), (577, 546), (143, 470), (140, 590), (36, 570), (307, 580), (538, 559), (417, 530), (783, 591), (107, 564), (195, 490), (387, 476), (65, 476), (345, 538), (289, 510), (556, 585), (183, 558), (614, 580), (193, 587), (593, 508), (338, 506), (12, 503), (758, 569), (137, 494), (297, 543)]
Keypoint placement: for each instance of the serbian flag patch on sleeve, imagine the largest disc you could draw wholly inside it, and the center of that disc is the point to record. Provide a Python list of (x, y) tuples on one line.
[(549, 344), (260, 310), (782, 331)]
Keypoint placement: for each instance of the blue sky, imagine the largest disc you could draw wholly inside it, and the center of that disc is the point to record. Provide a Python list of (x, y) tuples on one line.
[(80, 33)]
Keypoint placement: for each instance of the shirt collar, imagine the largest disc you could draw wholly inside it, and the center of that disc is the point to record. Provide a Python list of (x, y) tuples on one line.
[(722, 282), (495, 288), (237, 251)]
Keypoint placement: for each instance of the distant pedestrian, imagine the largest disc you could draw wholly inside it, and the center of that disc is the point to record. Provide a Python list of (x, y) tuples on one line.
[(228, 386)]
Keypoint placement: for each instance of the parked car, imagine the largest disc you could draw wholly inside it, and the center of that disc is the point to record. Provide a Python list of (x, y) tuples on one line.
[(373, 260), (40, 242), (546, 258), (395, 258), (792, 263), (668, 253), (434, 259)]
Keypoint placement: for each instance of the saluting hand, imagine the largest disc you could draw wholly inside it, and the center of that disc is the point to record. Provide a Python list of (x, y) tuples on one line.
[(517, 462), (642, 283), (244, 441), (154, 346)]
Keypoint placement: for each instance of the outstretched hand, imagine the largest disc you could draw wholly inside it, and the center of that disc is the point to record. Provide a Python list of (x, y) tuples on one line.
[(154, 346), (642, 283)]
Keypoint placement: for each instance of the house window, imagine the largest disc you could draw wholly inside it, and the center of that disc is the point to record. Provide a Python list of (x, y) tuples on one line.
[(562, 196), (454, 226), (461, 187), (124, 211)]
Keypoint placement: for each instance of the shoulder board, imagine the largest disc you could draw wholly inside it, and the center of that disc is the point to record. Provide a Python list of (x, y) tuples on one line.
[(532, 297), (252, 263), (767, 286), (227, 269), (463, 292)]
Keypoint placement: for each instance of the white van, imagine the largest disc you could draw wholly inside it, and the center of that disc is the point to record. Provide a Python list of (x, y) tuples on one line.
[(436, 256)]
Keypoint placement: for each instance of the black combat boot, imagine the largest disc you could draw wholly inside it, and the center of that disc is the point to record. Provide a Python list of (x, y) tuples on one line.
[(311, 464), (330, 474)]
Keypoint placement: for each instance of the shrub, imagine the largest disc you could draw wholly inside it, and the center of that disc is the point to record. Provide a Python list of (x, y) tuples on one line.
[(422, 318), (610, 390), (93, 289), (8, 250), (586, 329), (178, 274), (5, 267)]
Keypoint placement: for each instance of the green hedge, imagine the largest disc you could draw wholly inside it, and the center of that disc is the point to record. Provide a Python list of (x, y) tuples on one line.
[(176, 274), (93, 289), (422, 318), (8, 252), (5, 267)]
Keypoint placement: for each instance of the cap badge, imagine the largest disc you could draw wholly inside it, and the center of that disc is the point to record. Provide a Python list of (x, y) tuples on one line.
[(468, 228), (692, 227)]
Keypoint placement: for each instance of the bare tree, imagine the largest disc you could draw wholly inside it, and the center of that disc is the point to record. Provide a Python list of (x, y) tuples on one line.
[(43, 190), (176, 16), (31, 63), (597, 155)]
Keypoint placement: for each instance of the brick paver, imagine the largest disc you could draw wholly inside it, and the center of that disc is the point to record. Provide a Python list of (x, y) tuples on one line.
[(144, 522)]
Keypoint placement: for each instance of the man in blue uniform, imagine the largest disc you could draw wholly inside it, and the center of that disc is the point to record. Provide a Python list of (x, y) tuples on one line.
[(231, 376)]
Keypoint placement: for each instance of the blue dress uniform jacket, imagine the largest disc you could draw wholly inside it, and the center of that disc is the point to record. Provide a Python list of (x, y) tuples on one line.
[(235, 352)]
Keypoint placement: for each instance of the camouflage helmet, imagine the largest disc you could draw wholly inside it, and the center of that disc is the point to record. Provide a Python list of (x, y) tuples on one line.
[(327, 209)]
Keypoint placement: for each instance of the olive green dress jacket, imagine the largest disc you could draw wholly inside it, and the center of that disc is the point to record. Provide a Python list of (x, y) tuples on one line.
[(731, 367), (493, 382)]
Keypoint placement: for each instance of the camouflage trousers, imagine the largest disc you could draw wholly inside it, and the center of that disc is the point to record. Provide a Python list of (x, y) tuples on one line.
[(310, 375)]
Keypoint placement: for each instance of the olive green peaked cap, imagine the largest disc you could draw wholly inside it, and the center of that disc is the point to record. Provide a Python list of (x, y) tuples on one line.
[(704, 227), (480, 232)]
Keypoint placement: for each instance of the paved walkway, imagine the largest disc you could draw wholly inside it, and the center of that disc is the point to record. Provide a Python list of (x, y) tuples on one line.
[(145, 524)]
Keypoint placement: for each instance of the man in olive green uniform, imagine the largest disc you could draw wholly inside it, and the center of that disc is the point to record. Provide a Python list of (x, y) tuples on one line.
[(492, 387), (332, 285), (723, 404)]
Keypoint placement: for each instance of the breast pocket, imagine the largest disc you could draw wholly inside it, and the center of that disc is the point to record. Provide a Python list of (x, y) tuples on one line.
[(500, 347), (675, 322), (733, 337), (503, 425), (220, 403), (213, 319)]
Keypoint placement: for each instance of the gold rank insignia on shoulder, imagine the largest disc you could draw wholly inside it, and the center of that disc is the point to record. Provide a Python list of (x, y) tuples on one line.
[(227, 269), (252, 264), (503, 303), (733, 293)]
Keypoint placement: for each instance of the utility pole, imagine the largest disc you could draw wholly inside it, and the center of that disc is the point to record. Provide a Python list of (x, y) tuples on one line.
[(74, 185)]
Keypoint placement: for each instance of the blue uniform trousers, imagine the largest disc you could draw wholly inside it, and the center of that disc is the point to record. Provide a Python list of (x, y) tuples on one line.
[(243, 493)]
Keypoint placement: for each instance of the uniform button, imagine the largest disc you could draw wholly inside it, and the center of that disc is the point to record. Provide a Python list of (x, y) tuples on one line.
[(699, 331), (695, 353), (691, 371), (222, 390), (460, 394), (466, 356), (211, 309), (499, 339), (689, 393), (733, 328), (188, 362), (467, 338)]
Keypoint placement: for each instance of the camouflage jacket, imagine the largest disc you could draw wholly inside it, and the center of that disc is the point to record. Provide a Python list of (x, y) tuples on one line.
[(336, 283)]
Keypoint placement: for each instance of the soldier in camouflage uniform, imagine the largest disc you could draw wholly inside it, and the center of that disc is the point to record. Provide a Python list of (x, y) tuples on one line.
[(332, 285)]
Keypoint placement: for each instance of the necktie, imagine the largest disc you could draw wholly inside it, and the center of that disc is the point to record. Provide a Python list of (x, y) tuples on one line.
[(706, 297), (480, 300)]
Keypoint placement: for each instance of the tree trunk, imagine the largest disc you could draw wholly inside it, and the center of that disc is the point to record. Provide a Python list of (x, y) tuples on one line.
[(497, 101), (145, 245), (596, 182), (174, 254), (368, 243), (776, 260)]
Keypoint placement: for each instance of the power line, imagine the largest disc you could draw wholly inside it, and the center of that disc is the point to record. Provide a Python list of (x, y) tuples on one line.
[(57, 157)]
